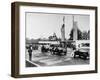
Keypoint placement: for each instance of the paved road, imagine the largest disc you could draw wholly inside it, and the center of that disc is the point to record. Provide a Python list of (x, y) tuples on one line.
[(46, 59)]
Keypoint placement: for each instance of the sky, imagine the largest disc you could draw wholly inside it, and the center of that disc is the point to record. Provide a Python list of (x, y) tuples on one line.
[(42, 25)]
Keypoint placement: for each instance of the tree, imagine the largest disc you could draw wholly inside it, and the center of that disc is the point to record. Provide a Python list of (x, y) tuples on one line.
[(86, 35), (50, 37), (79, 36), (71, 35), (53, 37)]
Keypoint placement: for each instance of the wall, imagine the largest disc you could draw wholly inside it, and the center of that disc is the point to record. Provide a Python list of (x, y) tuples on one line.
[(5, 40)]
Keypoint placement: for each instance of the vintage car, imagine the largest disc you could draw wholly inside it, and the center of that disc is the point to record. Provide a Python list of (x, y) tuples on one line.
[(81, 54), (56, 50), (83, 51)]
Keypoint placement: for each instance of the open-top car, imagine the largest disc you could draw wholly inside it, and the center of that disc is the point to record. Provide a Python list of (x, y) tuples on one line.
[(57, 50)]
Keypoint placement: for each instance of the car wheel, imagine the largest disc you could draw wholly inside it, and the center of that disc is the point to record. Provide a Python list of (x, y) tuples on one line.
[(85, 57)]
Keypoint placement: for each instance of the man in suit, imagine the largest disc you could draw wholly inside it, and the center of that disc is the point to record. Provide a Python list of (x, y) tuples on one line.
[(30, 52)]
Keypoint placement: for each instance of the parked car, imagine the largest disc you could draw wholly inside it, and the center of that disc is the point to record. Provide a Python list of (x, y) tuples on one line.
[(83, 51), (81, 54)]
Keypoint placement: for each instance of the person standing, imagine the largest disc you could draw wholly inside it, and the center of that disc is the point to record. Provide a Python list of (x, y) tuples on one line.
[(30, 52)]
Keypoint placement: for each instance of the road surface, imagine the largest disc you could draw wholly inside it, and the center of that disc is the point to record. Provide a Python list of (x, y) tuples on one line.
[(46, 59)]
